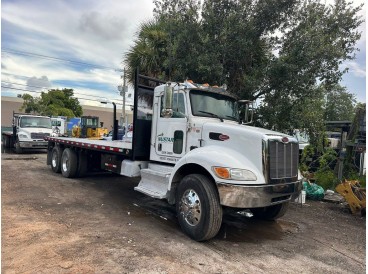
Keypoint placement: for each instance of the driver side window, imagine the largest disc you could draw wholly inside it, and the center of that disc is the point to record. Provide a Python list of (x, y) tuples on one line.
[(178, 106)]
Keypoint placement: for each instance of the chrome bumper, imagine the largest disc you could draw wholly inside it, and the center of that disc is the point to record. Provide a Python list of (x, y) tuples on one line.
[(33, 144), (248, 196)]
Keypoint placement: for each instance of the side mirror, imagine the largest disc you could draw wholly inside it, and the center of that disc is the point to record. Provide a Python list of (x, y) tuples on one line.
[(248, 111), (168, 101)]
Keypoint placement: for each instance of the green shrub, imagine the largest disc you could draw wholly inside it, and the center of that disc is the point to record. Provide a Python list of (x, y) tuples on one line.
[(326, 179)]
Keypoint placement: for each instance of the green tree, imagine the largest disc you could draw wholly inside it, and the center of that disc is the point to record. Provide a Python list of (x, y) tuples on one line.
[(30, 104), (285, 52), (319, 39), (55, 102), (340, 105)]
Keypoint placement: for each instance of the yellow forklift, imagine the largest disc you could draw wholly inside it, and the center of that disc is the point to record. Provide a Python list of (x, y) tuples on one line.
[(89, 128)]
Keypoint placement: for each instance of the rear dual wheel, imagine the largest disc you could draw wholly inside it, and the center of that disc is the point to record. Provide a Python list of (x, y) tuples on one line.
[(56, 159), (69, 163)]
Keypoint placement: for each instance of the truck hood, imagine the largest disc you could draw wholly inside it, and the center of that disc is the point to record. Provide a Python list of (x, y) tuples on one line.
[(238, 131), (244, 141)]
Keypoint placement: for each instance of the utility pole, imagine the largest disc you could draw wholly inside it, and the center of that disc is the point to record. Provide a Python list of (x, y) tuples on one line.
[(123, 90)]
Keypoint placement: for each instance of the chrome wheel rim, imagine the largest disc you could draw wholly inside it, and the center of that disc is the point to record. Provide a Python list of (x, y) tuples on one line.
[(54, 158), (190, 207), (65, 164)]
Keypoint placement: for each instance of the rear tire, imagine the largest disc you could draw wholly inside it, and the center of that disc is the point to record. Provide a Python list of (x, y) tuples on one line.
[(69, 163), (82, 164), (56, 159), (198, 207), (271, 212)]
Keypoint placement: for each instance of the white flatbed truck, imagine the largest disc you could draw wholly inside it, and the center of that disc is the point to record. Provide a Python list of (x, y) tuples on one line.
[(190, 148), (28, 132)]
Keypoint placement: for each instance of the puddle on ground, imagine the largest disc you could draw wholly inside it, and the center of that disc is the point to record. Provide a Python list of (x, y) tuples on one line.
[(157, 208), (237, 228)]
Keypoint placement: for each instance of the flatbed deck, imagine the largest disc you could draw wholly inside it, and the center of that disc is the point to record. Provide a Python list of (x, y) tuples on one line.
[(124, 146)]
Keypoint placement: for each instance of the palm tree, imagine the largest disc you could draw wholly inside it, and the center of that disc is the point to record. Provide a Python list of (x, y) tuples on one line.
[(149, 52)]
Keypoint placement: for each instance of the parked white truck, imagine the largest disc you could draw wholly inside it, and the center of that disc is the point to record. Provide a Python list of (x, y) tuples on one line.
[(58, 125), (190, 148), (28, 132)]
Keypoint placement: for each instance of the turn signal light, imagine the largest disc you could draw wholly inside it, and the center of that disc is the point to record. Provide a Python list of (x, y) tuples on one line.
[(234, 174), (222, 172)]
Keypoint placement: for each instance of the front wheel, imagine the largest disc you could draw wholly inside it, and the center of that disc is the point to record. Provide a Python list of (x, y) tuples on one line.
[(18, 149), (271, 212), (198, 207)]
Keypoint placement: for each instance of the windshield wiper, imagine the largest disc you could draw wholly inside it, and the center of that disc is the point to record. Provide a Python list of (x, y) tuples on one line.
[(212, 114), (232, 118)]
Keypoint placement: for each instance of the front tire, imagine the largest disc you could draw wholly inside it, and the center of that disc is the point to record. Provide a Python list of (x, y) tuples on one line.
[(198, 207), (271, 212), (18, 149), (69, 163)]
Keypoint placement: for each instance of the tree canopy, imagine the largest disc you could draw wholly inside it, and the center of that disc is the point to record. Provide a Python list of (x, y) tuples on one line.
[(286, 54), (55, 102)]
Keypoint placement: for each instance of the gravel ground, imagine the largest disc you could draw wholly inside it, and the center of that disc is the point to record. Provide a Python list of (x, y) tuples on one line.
[(99, 224)]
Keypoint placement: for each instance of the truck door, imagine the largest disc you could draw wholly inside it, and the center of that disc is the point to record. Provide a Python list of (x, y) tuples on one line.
[(171, 131)]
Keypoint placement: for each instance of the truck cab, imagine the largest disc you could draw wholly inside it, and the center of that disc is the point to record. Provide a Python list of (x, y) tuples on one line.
[(201, 153), (29, 132)]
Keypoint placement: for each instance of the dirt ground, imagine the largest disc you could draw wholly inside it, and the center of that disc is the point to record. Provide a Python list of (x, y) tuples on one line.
[(99, 224)]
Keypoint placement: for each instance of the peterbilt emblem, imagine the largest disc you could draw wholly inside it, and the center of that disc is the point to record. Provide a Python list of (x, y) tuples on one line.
[(218, 136), (285, 140), (223, 137)]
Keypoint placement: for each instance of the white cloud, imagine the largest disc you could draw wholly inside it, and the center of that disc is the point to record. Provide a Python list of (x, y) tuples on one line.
[(99, 33), (38, 83)]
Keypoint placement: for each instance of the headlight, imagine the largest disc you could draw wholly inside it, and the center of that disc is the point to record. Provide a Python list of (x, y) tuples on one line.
[(22, 135), (234, 174)]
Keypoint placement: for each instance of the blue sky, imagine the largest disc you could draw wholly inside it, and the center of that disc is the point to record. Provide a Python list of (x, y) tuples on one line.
[(80, 44)]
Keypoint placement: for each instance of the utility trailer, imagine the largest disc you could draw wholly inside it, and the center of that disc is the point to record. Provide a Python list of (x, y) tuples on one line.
[(190, 147)]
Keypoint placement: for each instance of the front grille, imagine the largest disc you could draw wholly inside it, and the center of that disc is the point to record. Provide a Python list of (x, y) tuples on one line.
[(283, 161), (39, 135)]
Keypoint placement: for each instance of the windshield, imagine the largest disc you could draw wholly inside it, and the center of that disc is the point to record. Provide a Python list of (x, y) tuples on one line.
[(216, 105), (301, 136), (42, 122)]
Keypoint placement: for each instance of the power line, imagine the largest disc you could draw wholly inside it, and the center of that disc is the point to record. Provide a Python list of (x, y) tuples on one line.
[(22, 84), (77, 97), (46, 88), (21, 89), (52, 58)]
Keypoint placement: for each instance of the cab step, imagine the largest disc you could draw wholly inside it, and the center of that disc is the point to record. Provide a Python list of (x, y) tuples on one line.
[(155, 181)]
